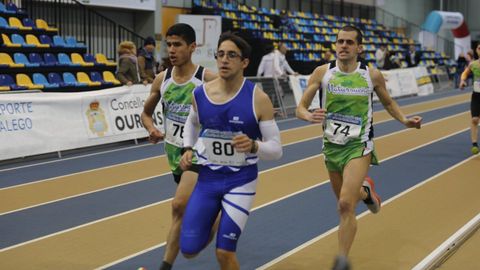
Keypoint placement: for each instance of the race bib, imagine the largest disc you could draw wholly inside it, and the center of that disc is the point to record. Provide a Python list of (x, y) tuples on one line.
[(476, 86), (174, 132), (340, 129), (219, 148)]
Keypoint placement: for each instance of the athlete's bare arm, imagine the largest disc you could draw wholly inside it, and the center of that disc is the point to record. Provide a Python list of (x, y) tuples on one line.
[(269, 147), (154, 135), (464, 76), (314, 83), (209, 75), (390, 105)]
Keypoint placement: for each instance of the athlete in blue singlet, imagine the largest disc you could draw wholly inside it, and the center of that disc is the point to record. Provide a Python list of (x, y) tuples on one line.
[(237, 128), (173, 88)]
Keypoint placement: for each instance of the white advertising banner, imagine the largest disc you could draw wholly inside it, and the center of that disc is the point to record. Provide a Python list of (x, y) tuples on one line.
[(424, 81), (400, 82), (298, 85), (207, 30), (128, 4), (39, 123)]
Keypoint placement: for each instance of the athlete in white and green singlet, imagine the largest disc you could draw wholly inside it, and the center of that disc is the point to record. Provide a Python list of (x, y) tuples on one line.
[(346, 88), (474, 67), (173, 88)]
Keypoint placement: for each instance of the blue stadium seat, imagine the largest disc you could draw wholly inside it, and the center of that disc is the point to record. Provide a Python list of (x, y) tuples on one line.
[(44, 39), (4, 24), (97, 77), (72, 42), (70, 79), (7, 80), (29, 23), (3, 9), (50, 59), (55, 78), (39, 78), (37, 59), (89, 58), (20, 58), (17, 39), (65, 60), (58, 41), (13, 8)]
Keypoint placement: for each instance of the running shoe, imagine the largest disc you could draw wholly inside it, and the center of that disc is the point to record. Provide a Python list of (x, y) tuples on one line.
[(474, 150), (372, 201), (341, 263)]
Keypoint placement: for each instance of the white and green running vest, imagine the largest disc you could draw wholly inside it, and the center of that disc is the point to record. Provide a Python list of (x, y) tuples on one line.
[(347, 97), (475, 67), (177, 100)]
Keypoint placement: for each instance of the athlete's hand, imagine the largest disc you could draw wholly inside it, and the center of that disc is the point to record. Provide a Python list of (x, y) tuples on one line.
[(242, 143), (155, 136), (414, 122), (462, 84), (186, 160), (317, 116)]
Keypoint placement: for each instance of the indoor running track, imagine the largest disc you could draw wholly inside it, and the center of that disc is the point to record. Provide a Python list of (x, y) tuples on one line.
[(110, 208)]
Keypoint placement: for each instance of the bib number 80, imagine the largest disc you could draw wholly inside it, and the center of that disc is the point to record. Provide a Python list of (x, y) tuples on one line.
[(225, 149)]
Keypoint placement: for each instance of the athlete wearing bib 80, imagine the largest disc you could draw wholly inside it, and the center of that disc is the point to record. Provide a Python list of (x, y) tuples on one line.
[(475, 101), (173, 88), (237, 128), (346, 90)]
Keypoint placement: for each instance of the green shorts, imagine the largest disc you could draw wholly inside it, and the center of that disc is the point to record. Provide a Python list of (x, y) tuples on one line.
[(337, 156), (174, 154)]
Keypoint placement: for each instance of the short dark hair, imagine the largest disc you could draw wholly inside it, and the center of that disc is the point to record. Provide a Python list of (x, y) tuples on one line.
[(349, 28), (244, 47), (183, 30), (149, 41)]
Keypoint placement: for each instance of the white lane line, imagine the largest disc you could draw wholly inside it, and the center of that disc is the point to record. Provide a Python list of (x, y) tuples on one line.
[(82, 226), (306, 189), (312, 241), (291, 119), (264, 171), (286, 144), (435, 259)]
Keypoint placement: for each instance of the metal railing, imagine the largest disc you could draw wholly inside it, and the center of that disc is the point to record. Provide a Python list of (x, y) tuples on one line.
[(99, 33)]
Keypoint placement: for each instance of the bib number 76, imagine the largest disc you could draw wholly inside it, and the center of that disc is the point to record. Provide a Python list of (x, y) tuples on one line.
[(177, 129)]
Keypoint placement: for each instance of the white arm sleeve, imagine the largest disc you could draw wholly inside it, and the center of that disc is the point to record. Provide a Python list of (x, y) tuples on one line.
[(270, 147), (190, 132)]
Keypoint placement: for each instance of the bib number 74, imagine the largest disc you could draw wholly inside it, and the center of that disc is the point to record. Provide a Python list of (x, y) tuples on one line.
[(340, 129)]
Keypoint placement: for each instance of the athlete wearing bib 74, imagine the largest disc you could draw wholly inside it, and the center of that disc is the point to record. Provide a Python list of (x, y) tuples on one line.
[(230, 126), (346, 89)]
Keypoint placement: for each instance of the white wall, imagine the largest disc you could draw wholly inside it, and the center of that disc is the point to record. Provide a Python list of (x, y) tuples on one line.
[(414, 11)]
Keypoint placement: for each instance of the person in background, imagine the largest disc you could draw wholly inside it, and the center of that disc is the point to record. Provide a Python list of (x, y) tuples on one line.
[(127, 70), (391, 61), (461, 65), (147, 63), (412, 56), (274, 64), (328, 56), (380, 56)]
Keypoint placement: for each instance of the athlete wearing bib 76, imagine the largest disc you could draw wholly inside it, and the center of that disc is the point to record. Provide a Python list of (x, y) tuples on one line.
[(346, 89), (173, 88), (237, 128)]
